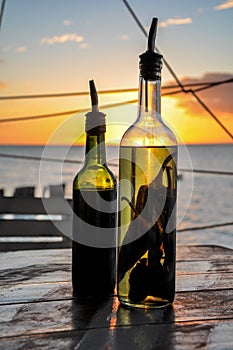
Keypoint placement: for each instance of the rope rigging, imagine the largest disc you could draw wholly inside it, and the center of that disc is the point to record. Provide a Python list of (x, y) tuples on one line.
[(2, 12), (204, 86)]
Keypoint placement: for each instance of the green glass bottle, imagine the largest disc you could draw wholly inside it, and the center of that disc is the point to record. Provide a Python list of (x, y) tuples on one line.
[(147, 196), (94, 219)]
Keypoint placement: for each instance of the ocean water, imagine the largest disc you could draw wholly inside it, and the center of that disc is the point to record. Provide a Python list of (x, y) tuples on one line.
[(203, 199)]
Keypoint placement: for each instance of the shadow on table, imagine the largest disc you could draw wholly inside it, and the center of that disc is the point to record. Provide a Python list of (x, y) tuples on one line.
[(145, 329), (108, 325), (89, 317)]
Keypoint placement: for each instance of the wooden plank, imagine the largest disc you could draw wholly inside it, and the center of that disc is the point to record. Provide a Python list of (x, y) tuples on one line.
[(66, 315), (25, 293), (204, 282), (203, 252), (54, 282), (192, 253), (188, 269), (13, 260), (204, 266), (211, 335), (28, 289), (35, 205), (53, 272), (19, 259)]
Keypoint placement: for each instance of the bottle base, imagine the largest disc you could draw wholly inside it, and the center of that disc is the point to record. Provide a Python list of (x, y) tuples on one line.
[(148, 303)]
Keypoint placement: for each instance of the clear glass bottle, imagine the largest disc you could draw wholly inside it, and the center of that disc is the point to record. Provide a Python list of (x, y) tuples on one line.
[(94, 220), (147, 197)]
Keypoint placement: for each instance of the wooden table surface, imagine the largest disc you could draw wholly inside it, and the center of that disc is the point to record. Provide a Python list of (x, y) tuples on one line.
[(37, 310)]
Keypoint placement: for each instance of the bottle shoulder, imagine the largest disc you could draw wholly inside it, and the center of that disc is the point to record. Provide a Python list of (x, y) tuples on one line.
[(95, 176), (149, 134)]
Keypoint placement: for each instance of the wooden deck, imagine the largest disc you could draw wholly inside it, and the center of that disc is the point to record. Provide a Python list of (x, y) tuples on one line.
[(30, 227), (37, 310)]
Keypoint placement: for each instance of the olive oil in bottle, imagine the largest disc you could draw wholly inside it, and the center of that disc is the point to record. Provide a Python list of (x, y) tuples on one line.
[(94, 219), (147, 197)]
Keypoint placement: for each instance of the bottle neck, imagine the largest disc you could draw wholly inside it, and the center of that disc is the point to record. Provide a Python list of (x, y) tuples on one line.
[(149, 99), (95, 149)]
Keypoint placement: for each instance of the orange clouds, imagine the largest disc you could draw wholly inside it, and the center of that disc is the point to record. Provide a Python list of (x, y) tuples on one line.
[(218, 98), (192, 121)]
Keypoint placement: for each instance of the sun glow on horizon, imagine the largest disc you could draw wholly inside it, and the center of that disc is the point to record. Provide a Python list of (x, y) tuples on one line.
[(190, 128)]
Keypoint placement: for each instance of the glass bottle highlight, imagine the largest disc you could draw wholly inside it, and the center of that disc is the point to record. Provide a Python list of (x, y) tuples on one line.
[(147, 196), (94, 219)]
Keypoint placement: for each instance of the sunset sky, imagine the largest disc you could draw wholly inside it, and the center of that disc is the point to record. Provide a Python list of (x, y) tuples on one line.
[(57, 46)]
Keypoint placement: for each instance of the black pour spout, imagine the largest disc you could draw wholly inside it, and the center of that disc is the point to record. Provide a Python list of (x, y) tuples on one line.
[(151, 61), (95, 120)]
